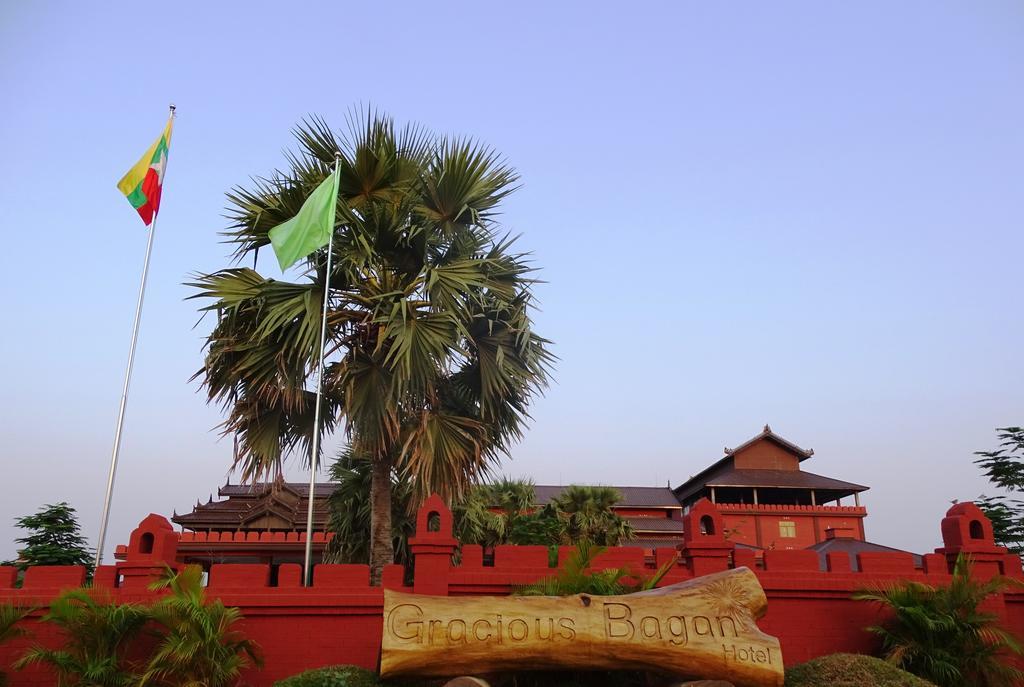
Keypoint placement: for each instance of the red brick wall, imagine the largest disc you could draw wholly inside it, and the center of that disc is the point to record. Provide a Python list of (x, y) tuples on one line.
[(338, 619), (759, 525)]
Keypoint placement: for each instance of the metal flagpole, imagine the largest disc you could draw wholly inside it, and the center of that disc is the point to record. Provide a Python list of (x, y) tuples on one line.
[(307, 569), (127, 379)]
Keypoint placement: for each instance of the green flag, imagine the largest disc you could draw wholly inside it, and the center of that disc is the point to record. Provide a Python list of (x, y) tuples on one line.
[(311, 228)]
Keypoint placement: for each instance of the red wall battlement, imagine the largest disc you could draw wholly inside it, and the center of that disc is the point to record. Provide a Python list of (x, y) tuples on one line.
[(338, 619), (784, 508)]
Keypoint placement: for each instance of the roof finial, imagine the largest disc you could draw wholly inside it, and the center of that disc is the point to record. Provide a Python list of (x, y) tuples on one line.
[(767, 428)]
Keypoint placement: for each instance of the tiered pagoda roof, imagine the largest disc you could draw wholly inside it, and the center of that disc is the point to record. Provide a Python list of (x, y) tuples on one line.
[(267, 506)]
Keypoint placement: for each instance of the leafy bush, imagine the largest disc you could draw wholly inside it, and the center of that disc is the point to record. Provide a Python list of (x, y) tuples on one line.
[(343, 676), (850, 670), (198, 645), (942, 634), (195, 640), (97, 633), (575, 578), (351, 676)]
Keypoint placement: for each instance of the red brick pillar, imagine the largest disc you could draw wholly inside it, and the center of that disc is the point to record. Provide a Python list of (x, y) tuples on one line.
[(153, 545), (966, 530), (432, 549), (704, 544)]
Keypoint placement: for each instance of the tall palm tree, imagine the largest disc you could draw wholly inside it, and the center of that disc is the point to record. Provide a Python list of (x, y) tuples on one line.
[(590, 516), (432, 357), (350, 512), (941, 633)]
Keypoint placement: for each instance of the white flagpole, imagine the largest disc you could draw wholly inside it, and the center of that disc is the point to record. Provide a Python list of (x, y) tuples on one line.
[(127, 380), (307, 569)]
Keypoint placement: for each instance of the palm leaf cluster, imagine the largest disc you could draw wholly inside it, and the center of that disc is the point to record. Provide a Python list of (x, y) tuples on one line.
[(491, 514), (504, 512), (97, 637), (200, 645), (105, 643), (350, 514), (432, 360), (578, 577), (589, 515), (942, 634)]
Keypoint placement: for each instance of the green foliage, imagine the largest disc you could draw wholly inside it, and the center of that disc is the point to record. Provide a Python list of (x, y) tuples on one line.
[(579, 514), (350, 512), (503, 512), (492, 514), (589, 515), (941, 634), (1004, 467), (97, 633), (196, 643), (198, 647), (55, 539), (850, 670), (351, 676), (432, 362), (345, 676), (575, 577)]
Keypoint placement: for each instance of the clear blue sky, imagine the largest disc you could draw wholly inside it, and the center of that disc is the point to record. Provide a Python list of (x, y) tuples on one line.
[(802, 213)]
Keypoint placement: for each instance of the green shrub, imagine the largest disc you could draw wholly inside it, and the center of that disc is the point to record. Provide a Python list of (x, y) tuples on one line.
[(333, 676), (576, 577), (945, 634), (850, 670)]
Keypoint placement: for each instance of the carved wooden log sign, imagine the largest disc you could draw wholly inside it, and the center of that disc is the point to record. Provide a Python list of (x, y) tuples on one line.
[(703, 628)]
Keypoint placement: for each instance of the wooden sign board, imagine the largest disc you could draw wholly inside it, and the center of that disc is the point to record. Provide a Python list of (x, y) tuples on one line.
[(703, 628)]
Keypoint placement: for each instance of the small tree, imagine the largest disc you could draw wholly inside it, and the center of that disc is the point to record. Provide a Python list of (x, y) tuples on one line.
[(505, 512), (590, 516), (942, 635), (55, 539), (1004, 467)]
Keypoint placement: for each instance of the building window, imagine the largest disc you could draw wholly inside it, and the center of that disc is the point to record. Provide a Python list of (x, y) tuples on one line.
[(787, 528)]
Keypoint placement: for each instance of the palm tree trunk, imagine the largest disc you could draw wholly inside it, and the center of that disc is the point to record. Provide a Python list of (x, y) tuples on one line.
[(382, 551)]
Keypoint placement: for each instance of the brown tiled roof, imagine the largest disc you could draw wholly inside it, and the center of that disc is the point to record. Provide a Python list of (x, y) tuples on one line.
[(784, 479), (245, 503), (632, 497), (795, 479), (656, 525), (651, 543), (694, 483), (322, 489)]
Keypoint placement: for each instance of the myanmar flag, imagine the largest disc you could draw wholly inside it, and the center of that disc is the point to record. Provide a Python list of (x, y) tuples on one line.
[(143, 182)]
